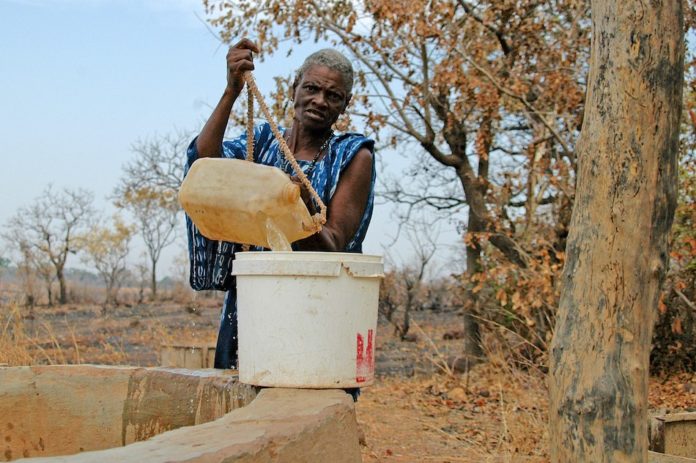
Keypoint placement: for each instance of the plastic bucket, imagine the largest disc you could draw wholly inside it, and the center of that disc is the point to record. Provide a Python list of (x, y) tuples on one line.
[(307, 319)]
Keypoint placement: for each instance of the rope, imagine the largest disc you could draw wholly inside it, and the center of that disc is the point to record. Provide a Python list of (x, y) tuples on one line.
[(250, 127), (318, 219)]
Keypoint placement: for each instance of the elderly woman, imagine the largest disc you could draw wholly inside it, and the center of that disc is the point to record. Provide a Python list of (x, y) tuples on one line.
[(340, 167)]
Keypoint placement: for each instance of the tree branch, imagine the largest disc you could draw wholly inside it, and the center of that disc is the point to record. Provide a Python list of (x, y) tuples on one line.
[(522, 99), (504, 46)]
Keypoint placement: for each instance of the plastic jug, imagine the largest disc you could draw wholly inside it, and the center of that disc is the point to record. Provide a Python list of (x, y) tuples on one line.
[(243, 202)]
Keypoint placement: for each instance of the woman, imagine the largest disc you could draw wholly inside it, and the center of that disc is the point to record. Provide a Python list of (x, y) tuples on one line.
[(340, 167)]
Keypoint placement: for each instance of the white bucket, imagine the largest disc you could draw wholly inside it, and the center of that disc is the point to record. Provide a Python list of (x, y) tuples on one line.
[(307, 319)]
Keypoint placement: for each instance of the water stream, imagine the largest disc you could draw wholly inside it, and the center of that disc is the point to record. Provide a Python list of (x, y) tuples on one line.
[(276, 239)]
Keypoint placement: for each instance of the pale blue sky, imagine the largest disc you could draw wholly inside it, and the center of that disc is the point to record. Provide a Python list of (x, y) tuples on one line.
[(81, 80)]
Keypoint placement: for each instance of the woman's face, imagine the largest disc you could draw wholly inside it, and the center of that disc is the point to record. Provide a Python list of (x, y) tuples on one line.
[(320, 97)]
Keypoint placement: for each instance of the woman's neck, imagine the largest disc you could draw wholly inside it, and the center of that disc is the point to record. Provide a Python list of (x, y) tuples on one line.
[(302, 141)]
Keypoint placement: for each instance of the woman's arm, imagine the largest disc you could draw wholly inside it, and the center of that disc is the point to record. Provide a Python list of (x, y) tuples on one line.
[(346, 208), (239, 60)]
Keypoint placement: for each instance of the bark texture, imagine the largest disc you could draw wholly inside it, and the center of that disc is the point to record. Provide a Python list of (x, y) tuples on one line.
[(617, 247)]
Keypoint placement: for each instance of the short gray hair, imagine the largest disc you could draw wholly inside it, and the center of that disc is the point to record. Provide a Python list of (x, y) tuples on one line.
[(332, 59)]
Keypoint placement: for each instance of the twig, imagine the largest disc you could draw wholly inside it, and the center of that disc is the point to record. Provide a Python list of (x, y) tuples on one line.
[(505, 328), (74, 341), (445, 458), (685, 299), (468, 370), (438, 364), (447, 368), (374, 454), (449, 435), (506, 431), (54, 340), (9, 320), (42, 350)]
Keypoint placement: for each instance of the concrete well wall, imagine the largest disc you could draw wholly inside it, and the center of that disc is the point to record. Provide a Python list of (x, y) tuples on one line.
[(62, 410), (194, 416)]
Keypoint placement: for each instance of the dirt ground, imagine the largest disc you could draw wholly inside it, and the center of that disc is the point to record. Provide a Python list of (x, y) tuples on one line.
[(415, 412)]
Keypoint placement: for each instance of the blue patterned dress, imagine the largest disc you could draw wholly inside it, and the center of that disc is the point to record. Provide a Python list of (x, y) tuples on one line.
[(211, 261)]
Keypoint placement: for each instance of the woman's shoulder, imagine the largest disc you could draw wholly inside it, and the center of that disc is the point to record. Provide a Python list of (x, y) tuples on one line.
[(343, 138), (350, 143)]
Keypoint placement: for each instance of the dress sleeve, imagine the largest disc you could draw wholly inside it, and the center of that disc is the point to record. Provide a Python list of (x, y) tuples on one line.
[(234, 149), (350, 144)]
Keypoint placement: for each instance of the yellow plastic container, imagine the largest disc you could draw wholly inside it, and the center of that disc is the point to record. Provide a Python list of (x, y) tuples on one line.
[(242, 202)]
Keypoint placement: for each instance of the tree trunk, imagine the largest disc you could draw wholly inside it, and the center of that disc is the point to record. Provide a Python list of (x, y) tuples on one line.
[(153, 280), (63, 294), (617, 249), (110, 297), (472, 330)]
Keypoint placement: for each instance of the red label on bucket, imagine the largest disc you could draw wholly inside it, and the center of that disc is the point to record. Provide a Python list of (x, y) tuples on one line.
[(365, 358)]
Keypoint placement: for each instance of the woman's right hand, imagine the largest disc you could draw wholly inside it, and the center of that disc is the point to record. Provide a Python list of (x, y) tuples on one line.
[(240, 58)]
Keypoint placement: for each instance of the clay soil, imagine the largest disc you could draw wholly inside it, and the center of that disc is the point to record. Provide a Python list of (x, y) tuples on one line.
[(416, 411)]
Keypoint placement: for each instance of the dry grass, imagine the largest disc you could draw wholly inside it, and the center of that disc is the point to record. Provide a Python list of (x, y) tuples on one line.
[(493, 413), (496, 418), (97, 334), (22, 345), (14, 342)]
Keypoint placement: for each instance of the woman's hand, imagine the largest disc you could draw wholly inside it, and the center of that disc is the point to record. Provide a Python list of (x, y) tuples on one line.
[(240, 58)]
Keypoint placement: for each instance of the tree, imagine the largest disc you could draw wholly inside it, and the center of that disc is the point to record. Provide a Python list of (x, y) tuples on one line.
[(404, 287), (484, 96), (148, 190), (156, 216), (143, 276), (31, 264), (617, 253), (50, 227), (4, 264), (106, 248), (158, 163)]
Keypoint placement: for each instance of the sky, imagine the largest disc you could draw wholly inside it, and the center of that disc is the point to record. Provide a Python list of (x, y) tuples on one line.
[(82, 80)]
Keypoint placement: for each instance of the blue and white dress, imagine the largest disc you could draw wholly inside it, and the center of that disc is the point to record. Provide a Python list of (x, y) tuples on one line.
[(211, 261)]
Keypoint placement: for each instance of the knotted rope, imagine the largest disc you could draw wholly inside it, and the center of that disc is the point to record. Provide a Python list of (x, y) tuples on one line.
[(319, 218)]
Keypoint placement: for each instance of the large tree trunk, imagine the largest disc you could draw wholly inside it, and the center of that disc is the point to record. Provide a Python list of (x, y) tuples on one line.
[(617, 248)]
